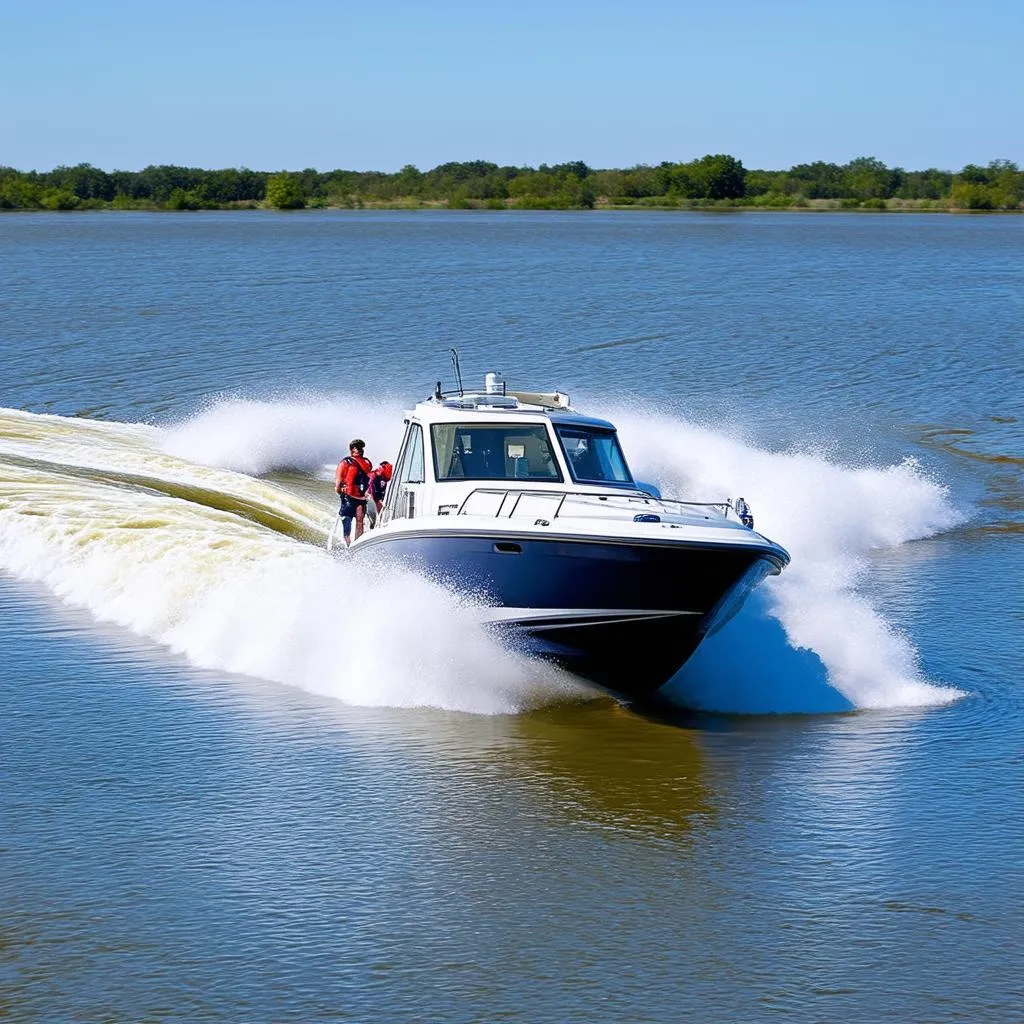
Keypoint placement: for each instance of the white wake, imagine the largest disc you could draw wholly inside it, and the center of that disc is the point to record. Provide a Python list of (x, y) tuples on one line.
[(169, 532)]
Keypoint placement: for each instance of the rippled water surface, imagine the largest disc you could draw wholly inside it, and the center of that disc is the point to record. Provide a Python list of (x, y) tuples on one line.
[(240, 780)]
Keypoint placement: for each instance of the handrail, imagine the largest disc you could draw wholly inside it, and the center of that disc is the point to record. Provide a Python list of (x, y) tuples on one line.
[(637, 496)]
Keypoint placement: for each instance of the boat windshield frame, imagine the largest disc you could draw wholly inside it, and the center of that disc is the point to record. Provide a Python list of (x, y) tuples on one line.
[(533, 440), (605, 461)]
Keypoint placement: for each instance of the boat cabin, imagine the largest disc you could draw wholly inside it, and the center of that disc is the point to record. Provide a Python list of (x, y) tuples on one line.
[(454, 446)]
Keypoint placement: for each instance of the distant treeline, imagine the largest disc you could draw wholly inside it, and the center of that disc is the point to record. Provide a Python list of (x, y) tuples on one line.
[(712, 181)]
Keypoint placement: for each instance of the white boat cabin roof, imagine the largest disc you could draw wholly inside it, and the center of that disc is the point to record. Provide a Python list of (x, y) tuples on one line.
[(498, 402)]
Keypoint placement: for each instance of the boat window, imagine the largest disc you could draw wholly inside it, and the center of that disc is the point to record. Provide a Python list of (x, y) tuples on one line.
[(400, 501), (495, 451), (416, 456), (594, 456), (392, 491)]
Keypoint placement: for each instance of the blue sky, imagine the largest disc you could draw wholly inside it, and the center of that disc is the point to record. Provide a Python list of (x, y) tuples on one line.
[(374, 86)]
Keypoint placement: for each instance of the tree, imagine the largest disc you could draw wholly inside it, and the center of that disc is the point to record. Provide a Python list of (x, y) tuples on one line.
[(179, 199), (681, 182), (929, 184), (19, 193), (969, 196), (231, 185), (715, 176), (86, 181), (998, 186), (641, 180), (759, 183), (1008, 181), (975, 175), (284, 192), (59, 199), (723, 175), (606, 183), (576, 168), (818, 180), (539, 184), (868, 178), (158, 182), (410, 181)]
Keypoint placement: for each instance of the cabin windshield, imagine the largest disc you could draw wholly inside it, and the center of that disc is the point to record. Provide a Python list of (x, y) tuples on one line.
[(495, 451), (594, 456)]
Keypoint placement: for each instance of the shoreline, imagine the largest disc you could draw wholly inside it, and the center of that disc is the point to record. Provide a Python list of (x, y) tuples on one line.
[(714, 182), (808, 206)]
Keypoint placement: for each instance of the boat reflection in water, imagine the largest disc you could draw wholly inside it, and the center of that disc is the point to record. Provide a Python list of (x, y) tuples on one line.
[(615, 769)]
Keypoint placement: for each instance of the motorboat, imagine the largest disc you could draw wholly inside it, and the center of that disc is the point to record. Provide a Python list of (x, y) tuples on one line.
[(530, 505)]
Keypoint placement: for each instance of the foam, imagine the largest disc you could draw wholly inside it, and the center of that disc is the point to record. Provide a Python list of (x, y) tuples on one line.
[(831, 517), (301, 432), (232, 595)]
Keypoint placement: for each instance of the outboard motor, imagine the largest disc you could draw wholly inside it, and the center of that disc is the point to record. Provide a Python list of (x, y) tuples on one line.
[(743, 513)]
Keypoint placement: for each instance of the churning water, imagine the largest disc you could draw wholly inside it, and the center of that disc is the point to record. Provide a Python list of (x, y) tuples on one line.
[(231, 571)]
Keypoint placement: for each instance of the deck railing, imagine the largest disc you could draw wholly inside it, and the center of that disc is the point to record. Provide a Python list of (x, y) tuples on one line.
[(508, 502)]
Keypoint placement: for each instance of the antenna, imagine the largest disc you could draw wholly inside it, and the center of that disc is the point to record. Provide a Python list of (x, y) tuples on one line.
[(455, 366)]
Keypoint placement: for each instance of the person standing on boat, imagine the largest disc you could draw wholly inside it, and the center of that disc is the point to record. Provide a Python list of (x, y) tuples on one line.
[(352, 481), (379, 479)]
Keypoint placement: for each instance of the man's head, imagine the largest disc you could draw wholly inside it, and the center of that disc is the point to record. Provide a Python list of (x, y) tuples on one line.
[(386, 470), (356, 446)]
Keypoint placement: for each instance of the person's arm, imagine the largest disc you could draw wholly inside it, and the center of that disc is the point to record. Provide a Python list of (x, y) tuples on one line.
[(339, 477)]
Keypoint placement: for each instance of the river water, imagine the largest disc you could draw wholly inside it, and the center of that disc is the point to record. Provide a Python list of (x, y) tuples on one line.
[(241, 780)]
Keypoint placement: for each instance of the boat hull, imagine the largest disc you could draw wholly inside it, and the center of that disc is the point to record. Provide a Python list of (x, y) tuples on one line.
[(623, 614)]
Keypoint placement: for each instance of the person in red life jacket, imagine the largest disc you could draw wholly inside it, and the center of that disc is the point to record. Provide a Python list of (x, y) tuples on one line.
[(351, 481), (375, 492), (379, 483)]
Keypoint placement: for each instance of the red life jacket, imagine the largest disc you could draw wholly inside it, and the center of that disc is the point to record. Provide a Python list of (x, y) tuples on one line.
[(378, 485), (356, 476)]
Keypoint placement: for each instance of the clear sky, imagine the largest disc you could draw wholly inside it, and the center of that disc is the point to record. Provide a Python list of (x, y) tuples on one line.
[(374, 86)]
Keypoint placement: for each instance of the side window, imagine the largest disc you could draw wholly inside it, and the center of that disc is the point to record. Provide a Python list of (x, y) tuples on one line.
[(401, 496), (391, 495), (416, 455)]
